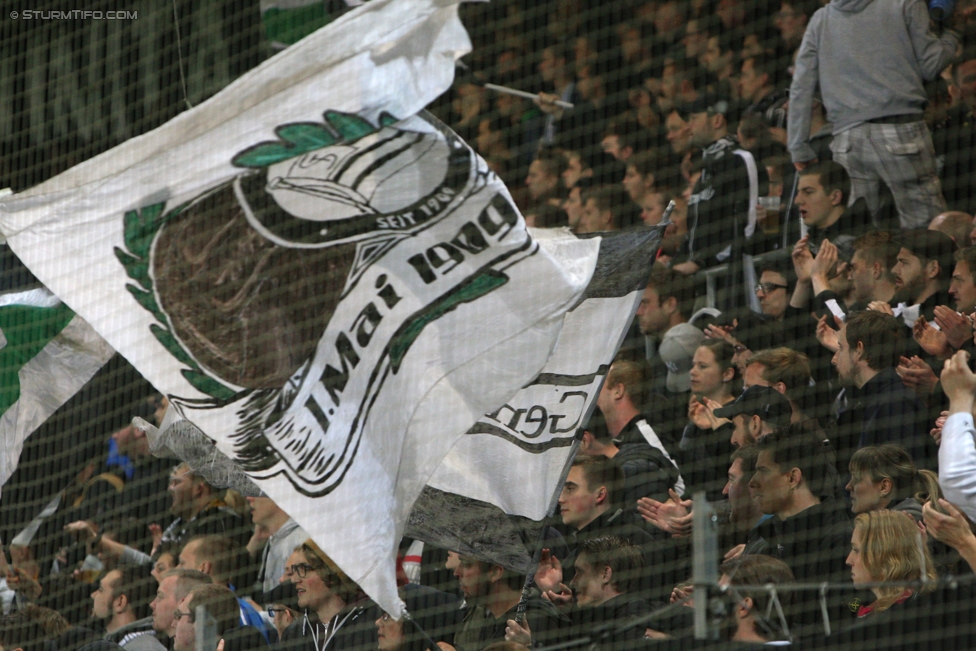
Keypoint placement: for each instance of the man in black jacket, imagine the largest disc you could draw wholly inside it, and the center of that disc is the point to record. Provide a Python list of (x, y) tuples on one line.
[(608, 570), (588, 506), (663, 313), (721, 210), (759, 410), (649, 469), (492, 596), (821, 197), (605, 597), (879, 408), (922, 273), (810, 534)]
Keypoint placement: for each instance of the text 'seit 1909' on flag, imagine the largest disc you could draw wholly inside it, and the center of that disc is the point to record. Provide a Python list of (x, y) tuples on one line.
[(318, 274)]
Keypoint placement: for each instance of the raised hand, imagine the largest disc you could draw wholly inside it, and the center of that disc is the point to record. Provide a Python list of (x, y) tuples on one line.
[(827, 336), (803, 259), (673, 516), (917, 376), (957, 327), (547, 104), (549, 574), (519, 633), (702, 413), (713, 331), (735, 552), (950, 527), (959, 383), (936, 432), (932, 341), (683, 593), (649, 509), (825, 261), (561, 596)]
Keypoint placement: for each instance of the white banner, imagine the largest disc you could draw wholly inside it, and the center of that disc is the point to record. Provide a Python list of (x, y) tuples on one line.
[(319, 276)]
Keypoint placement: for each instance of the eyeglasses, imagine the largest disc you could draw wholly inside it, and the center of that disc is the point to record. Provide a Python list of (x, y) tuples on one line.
[(768, 288), (385, 617), (273, 610), (178, 615), (301, 569)]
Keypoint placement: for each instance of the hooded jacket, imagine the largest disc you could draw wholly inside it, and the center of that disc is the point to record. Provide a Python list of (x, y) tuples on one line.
[(859, 78), (137, 636), (648, 470), (351, 628)]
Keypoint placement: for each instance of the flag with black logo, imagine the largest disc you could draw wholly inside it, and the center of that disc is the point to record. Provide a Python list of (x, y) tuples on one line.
[(318, 275)]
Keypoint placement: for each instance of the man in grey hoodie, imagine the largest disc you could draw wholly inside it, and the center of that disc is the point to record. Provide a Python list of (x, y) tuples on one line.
[(120, 600), (874, 98)]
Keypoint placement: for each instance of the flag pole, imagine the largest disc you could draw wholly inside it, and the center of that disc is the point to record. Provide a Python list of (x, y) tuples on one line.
[(553, 502), (521, 93), (428, 640)]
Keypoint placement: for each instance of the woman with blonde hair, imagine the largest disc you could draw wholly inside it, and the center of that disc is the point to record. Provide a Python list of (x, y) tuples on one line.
[(887, 547)]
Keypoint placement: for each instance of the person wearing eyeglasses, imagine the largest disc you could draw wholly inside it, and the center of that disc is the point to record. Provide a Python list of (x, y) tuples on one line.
[(220, 558), (774, 292), (174, 585), (219, 603), (275, 536), (282, 606), (337, 614)]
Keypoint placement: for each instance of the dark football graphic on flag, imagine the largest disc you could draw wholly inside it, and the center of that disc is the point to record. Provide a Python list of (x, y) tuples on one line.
[(246, 278), (248, 310), (250, 273)]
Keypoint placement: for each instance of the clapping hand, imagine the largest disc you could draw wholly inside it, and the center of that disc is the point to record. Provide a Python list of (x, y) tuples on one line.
[(932, 341), (957, 327)]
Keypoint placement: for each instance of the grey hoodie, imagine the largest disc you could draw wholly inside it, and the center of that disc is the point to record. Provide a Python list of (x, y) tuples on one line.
[(870, 58), (137, 636)]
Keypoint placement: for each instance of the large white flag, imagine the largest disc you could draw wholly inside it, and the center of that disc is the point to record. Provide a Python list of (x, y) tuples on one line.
[(317, 274), (515, 457)]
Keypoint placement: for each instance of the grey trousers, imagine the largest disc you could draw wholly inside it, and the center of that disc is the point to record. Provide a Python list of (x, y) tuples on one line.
[(901, 156)]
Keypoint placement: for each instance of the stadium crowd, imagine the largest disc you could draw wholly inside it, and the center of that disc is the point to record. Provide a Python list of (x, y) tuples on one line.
[(801, 355)]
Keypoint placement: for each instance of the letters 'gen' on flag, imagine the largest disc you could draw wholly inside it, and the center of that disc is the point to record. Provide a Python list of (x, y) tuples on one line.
[(513, 459), (319, 276), (47, 353)]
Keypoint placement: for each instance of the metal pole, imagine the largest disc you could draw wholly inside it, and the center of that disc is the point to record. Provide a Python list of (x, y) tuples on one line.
[(205, 629), (704, 540)]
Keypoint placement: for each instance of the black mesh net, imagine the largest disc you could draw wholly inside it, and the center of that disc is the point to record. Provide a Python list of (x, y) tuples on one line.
[(596, 115)]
